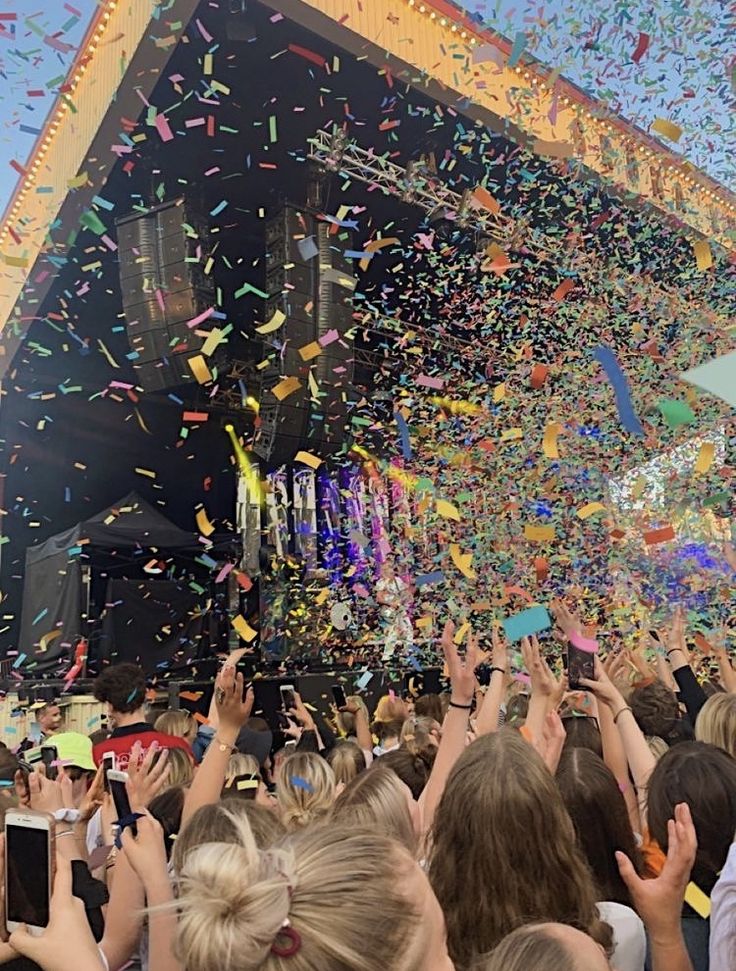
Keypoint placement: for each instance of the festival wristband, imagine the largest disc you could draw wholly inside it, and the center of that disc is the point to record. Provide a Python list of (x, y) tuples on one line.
[(583, 643)]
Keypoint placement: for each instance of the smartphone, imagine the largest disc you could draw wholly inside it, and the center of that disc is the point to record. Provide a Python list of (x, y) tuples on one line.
[(580, 664), (338, 693), (49, 755), (110, 764), (29, 869), (288, 696), (116, 780)]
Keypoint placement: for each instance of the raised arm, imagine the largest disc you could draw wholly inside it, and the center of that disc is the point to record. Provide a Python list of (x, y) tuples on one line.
[(691, 693), (640, 759), (490, 711), (232, 713), (455, 727), (659, 902), (613, 749)]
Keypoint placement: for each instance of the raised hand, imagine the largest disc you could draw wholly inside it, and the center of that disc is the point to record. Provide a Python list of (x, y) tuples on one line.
[(461, 669), (659, 902), (232, 710), (603, 688), (147, 776)]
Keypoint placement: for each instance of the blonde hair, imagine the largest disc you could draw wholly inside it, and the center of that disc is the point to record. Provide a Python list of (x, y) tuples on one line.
[(347, 761), (420, 735), (336, 892), (376, 800), (529, 948), (500, 797), (241, 764), (216, 823), (716, 722), (346, 719), (179, 768), (305, 786), (175, 721), (391, 708)]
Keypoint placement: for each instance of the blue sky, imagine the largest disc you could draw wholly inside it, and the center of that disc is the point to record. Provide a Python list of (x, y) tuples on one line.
[(687, 74), (36, 50)]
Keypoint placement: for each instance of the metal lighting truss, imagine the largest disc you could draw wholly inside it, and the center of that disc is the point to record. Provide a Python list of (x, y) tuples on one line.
[(414, 184)]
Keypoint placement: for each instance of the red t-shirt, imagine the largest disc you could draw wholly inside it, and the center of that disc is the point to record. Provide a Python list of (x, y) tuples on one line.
[(122, 741)]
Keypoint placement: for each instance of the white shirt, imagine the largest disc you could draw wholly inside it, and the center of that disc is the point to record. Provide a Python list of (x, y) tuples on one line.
[(629, 937), (722, 946)]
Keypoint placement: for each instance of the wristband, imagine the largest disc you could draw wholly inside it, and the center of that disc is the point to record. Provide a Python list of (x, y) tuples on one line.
[(67, 815), (500, 670), (583, 643), (674, 650), (620, 712), (454, 704)]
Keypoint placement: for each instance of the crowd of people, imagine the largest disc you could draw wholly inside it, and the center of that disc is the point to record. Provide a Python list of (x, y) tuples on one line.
[(515, 826)]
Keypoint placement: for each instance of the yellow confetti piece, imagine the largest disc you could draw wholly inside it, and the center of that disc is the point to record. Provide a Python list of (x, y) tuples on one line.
[(146, 472), (512, 434), (313, 386), (214, 339), (313, 461), (499, 393), (463, 561), (18, 261), (78, 181), (699, 901), (285, 387), (705, 457), (273, 324), (549, 442), (667, 128), (590, 509), (44, 643), (199, 369), (422, 622), (539, 534), (203, 523), (310, 351), (243, 629), (702, 254), (461, 632), (638, 487), (446, 509), (322, 596)]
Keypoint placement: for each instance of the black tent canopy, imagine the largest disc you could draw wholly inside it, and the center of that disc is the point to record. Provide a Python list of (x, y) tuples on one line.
[(53, 591)]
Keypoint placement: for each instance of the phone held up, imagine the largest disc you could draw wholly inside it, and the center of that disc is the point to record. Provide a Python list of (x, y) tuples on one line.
[(288, 696), (50, 758), (116, 780), (29, 869), (338, 693), (580, 664)]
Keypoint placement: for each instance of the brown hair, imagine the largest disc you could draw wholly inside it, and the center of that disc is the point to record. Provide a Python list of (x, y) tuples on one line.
[(216, 823), (582, 731), (376, 801), (598, 811), (501, 827), (347, 761), (412, 769), (655, 708), (176, 721), (704, 777), (429, 706)]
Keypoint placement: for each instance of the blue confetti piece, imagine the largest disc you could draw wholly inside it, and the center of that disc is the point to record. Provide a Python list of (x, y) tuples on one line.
[(526, 623), (607, 359), (40, 616), (404, 434), (426, 578), (18, 661), (296, 780), (363, 681), (518, 49)]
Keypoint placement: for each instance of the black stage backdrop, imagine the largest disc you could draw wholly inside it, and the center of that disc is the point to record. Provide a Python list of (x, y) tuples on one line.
[(153, 623)]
